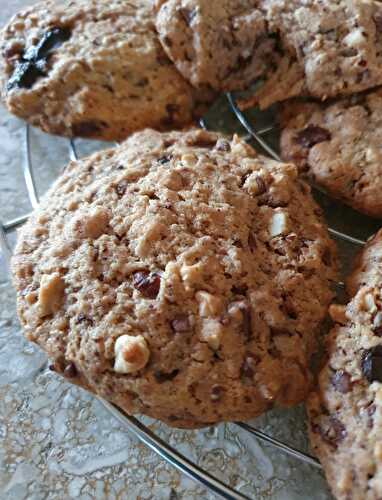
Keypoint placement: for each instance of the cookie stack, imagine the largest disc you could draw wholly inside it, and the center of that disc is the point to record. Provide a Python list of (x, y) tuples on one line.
[(181, 275)]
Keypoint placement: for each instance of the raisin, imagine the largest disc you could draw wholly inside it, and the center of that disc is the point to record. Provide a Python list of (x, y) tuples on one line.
[(371, 364), (333, 433), (248, 367), (180, 324), (341, 381), (32, 62), (239, 290), (252, 242), (164, 159), (147, 284), (223, 145), (261, 186), (216, 392), (312, 135), (88, 128), (187, 15), (120, 188), (162, 377), (81, 318)]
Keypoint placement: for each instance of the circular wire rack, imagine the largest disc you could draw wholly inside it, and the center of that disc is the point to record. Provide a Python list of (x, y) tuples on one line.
[(261, 137)]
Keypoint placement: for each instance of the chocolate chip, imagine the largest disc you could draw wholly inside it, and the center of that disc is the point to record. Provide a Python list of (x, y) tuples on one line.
[(312, 135), (162, 377), (147, 284), (216, 392), (180, 324), (89, 128), (70, 370), (341, 381), (32, 63), (371, 364)]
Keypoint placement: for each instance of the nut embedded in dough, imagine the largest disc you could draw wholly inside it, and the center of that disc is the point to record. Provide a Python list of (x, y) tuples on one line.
[(131, 354)]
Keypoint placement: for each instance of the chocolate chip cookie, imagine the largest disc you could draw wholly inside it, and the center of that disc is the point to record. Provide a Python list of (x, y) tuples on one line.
[(93, 69), (180, 276), (329, 48), (223, 44), (338, 145), (345, 412)]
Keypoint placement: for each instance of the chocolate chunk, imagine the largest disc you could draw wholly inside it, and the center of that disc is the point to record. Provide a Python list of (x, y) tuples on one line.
[(162, 377), (216, 392), (180, 324), (371, 364), (312, 135), (32, 63), (341, 381), (70, 370), (147, 284)]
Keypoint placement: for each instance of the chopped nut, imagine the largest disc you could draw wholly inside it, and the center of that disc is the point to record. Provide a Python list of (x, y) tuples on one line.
[(90, 224), (278, 224), (209, 305), (51, 294), (211, 333), (131, 354), (338, 313)]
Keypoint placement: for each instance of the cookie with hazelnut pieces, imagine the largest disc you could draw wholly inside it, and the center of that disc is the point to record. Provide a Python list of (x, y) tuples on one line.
[(180, 276), (345, 423)]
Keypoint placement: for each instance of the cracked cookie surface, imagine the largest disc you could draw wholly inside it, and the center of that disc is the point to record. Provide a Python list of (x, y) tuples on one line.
[(345, 413), (93, 69), (338, 146), (180, 276)]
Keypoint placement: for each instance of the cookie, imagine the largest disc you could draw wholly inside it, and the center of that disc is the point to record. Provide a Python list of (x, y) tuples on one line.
[(338, 146), (180, 276), (223, 44), (330, 48), (93, 69), (345, 414)]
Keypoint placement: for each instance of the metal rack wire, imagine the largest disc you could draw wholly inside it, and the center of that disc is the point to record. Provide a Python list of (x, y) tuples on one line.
[(133, 425)]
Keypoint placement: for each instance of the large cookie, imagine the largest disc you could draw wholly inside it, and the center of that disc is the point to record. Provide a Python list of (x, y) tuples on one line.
[(346, 411), (338, 145), (94, 69), (180, 276), (329, 48), (223, 44)]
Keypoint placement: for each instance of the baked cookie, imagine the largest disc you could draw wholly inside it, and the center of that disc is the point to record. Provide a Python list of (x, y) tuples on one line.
[(223, 44), (346, 412), (93, 69), (329, 48), (338, 145), (180, 276)]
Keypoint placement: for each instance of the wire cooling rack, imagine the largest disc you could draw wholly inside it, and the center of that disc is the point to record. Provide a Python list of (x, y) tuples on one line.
[(261, 133)]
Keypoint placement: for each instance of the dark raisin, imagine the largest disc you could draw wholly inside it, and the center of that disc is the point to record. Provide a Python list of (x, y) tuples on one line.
[(371, 364), (341, 381), (239, 290), (162, 377), (377, 330), (180, 324), (216, 392), (147, 284), (312, 135), (70, 370), (248, 367), (261, 186), (32, 62)]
